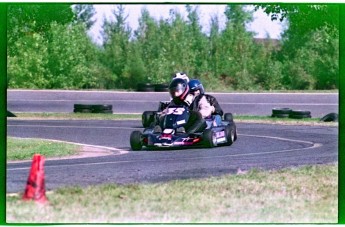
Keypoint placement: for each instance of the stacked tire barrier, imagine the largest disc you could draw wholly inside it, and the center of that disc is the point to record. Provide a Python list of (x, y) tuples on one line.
[(147, 87), (87, 108), (161, 87), (281, 112), (299, 114), (289, 113), (10, 114)]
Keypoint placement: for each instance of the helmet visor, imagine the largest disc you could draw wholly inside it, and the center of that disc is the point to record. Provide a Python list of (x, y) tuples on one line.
[(177, 91)]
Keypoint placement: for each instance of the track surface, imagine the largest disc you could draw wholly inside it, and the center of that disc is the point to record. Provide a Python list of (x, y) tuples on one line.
[(258, 146), (319, 104)]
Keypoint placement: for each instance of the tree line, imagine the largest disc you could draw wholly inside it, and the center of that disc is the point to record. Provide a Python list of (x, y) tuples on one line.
[(48, 48)]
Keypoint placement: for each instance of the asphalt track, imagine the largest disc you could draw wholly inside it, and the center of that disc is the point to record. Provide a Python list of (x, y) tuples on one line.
[(261, 146)]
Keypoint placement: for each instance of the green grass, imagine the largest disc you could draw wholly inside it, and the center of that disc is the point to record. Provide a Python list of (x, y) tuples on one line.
[(296, 195), (24, 149)]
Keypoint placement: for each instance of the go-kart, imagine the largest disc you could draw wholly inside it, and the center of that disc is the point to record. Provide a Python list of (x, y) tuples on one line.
[(171, 132)]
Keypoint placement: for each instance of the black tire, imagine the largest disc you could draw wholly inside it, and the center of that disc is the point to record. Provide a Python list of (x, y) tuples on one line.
[(88, 108), (10, 114), (228, 117), (83, 106), (161, 87), (145, 87), (208, 138), (276, 111), (101, 107), (230, 132), (82, 111), (299, 114), (281, 115), (147, 118), (330, 117), (135, 141)]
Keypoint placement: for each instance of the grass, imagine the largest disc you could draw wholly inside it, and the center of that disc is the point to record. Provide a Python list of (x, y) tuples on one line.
[(24, 149), (296, 195)]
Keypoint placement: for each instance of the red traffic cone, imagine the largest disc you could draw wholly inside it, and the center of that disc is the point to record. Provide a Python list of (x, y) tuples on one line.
[(35, 186)]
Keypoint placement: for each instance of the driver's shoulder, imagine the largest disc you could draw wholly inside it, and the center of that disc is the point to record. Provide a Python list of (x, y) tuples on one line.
[(204, 101)]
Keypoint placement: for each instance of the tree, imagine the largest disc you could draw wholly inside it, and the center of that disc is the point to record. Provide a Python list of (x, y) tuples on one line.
[(179, 42), (307, 16), (315, 64), (135, 69), (198, 40), (310, 50), (116, 35), (148, 40), (236, 54), (72, 58), (214, 46), (65, 60), (84, 14), (27, 19), (28, 67)]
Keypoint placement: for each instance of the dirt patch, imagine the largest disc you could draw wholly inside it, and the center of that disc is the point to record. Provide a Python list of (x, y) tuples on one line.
[(89, 151)]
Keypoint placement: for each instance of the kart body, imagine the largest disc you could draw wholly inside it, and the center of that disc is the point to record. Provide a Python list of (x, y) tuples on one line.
[(171, 133)]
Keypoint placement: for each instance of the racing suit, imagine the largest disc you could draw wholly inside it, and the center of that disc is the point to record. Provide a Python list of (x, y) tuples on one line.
[(196, 122), (201, 104), (209, 108)]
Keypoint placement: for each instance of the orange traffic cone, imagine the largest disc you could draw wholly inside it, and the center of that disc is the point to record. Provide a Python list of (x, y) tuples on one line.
[(35, 186)]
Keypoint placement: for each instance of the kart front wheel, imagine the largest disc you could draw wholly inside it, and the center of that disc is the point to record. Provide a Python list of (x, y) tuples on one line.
[(228, 117), (209, 138), (135, 141), (147, 118)]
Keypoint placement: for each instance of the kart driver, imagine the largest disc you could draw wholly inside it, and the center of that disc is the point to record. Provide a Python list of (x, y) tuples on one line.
[(181, 75), (202, 101), (179, 92)]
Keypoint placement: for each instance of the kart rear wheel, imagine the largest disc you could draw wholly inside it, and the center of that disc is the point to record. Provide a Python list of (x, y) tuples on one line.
[(231, 135), (135, 141), (209, 138)]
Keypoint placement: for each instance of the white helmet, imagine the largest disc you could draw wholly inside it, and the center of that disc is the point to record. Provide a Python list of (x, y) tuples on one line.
[(182, 76)]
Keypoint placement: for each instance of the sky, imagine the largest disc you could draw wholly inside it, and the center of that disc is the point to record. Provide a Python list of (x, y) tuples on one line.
[(262, 24)]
